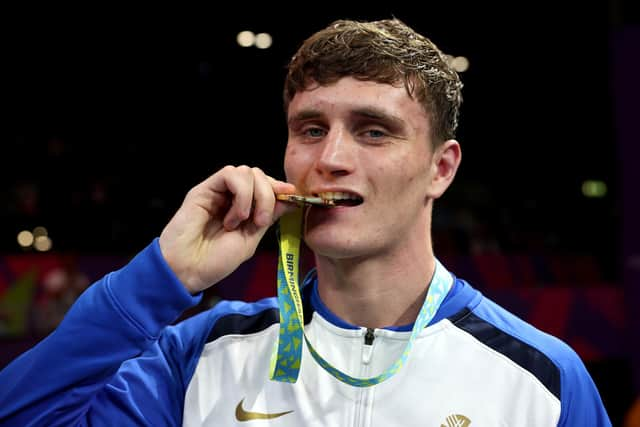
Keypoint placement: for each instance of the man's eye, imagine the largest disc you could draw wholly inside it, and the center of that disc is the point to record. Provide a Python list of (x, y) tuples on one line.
[(314, 132), (375, 133)]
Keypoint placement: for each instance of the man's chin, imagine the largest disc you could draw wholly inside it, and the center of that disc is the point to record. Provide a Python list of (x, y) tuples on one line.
[(333, 248)]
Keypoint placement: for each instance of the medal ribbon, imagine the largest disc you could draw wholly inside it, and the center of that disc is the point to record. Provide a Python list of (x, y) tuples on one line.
[(287, 355)]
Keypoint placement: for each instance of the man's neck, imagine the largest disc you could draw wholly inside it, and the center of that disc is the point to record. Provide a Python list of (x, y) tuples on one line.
[(379, 291)]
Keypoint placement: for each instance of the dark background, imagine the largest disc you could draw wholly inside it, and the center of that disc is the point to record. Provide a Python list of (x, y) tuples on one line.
[(112, 115)]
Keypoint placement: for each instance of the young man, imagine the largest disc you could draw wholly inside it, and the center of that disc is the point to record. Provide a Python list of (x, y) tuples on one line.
[(372, 111)]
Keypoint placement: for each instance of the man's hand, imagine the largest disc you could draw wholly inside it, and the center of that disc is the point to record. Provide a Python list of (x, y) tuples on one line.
[(220, 223)]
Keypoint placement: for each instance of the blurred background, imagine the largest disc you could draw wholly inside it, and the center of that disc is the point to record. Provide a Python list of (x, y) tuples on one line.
[(111, 115)]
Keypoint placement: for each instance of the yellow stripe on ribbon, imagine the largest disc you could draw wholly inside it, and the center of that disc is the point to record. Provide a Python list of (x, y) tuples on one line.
[(287, 354)]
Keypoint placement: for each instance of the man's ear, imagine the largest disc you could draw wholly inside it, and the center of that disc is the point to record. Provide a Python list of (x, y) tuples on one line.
[(444, 165)]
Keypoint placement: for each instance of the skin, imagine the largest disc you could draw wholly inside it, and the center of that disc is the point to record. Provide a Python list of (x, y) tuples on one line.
[(374, 260), (220, 223)]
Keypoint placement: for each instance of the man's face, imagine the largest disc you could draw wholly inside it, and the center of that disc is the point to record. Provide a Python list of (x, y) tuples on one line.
[(368, 143)]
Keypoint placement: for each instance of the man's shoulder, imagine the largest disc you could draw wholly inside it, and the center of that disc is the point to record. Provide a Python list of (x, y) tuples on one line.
[(509, 323), (545, 356)]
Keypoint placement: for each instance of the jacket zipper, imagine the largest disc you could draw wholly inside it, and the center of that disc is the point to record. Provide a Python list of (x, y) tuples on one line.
[(368, 346), (365, 392), (369, 337)]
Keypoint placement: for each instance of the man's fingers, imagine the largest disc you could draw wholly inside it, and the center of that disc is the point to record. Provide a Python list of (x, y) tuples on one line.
[(283, 208), (281, 187), (267, 208), (263, 197), (250, 194), (239, 182)]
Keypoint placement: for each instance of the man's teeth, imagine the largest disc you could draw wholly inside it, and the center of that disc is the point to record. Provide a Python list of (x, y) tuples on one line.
[(338, 195)]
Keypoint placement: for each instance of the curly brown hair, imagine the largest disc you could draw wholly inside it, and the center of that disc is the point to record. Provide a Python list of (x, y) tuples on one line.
[(385, 51)]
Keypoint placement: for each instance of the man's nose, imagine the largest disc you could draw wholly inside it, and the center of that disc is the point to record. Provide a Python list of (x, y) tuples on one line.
[(337, 155)]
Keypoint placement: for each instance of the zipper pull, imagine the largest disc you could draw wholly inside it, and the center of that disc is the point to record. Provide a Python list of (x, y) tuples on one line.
[(368, 337), (368, 346)]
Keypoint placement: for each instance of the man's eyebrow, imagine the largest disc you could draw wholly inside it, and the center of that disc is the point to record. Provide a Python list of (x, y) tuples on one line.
[(382, 116), (303, 115), (367, 112)]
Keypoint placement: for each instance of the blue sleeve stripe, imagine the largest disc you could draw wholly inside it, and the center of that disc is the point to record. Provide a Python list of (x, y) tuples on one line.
[(235, 317), (525, 355)]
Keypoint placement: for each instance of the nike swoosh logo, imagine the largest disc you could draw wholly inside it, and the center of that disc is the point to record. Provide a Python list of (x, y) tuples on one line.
[(242, 415)]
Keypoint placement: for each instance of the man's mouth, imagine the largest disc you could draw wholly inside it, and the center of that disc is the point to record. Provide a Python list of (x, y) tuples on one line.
[(340, 198)]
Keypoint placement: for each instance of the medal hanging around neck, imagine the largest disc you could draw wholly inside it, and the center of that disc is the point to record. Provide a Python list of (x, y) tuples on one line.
[(287, 355)]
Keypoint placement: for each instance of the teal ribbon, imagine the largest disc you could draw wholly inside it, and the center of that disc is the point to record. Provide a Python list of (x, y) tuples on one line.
[(287, 355)]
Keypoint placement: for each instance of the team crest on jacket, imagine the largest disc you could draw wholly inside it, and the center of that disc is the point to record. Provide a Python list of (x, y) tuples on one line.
[(456, 421)]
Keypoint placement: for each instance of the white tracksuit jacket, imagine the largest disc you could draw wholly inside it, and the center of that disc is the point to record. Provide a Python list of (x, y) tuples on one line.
[(117, 360)]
